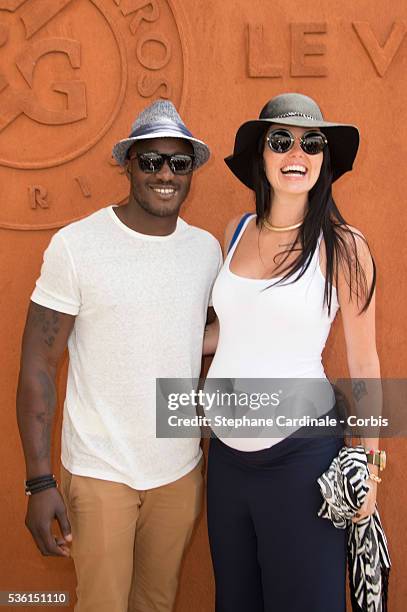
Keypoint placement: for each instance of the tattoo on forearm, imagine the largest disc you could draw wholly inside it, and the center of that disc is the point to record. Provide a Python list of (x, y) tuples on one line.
[(45, 441), (48, 320), (359, 390), (45, 417)]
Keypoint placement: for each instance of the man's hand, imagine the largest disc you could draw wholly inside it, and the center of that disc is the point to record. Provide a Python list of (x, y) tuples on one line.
[(43, 508), (211, 333), (45, 337)]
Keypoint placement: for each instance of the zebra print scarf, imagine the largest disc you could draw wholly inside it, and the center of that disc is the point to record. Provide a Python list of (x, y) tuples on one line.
[(344, 488)]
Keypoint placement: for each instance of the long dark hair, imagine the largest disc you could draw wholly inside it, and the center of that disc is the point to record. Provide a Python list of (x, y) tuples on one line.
[(322, 214)]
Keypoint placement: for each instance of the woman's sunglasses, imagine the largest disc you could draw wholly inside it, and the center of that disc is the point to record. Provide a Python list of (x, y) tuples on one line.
[(281, 141), (151, 162)]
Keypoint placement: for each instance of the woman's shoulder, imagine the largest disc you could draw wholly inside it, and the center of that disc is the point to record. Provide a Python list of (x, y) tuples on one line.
[(351, 238), (353, 252), (230, 230), (354, 262), (350, 232), (355, 243)]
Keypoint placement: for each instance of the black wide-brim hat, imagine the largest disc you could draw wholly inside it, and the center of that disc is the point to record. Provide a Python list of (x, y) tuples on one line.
[(297, 110)]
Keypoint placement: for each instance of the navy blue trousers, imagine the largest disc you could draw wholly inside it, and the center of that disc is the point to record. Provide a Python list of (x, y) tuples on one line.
[(270, 550)]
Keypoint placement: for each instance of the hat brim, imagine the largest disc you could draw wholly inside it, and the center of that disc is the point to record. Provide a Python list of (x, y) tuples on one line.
[(201, 150), (343, 143)]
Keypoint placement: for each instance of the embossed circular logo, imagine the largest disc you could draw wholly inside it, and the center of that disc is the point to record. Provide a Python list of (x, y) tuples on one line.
[(73, 76)]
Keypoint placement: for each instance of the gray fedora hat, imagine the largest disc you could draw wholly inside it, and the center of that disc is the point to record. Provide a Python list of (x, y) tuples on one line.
[(160, 120), (293, 109)]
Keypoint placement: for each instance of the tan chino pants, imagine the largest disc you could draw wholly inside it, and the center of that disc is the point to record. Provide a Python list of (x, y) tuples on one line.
[(127, 544)]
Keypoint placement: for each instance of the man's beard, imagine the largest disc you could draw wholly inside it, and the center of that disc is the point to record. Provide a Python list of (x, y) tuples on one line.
[(160, 212)]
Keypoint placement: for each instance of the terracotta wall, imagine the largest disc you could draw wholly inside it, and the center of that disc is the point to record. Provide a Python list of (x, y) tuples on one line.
[(74, 73)]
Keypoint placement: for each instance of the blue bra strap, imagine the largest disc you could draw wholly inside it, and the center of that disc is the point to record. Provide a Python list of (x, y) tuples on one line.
[(238, 229)]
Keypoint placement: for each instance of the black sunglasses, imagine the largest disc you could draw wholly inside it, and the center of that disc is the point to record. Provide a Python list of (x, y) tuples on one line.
[(281, 141), (152, 162)]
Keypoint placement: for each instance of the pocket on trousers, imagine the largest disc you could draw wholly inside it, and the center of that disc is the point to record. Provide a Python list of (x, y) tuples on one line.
[(66, 484), (200, 476), (189, 490)]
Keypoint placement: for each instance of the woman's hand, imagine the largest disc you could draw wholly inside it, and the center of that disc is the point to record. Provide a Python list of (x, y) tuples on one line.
[(369, 504)]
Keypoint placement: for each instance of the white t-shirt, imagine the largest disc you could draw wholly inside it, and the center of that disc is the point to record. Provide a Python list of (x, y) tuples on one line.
[(140, 303)]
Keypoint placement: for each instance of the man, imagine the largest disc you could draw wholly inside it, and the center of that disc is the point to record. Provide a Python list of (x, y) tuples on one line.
[(127, 288)]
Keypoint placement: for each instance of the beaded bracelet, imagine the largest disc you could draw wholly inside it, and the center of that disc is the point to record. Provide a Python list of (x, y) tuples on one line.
[(34, 481), (51, 484), (36, 485)]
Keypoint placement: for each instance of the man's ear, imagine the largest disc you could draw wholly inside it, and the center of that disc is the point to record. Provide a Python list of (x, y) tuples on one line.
[(127, 168)]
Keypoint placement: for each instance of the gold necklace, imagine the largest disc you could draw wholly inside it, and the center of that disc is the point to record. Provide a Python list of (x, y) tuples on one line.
[(280, 228)]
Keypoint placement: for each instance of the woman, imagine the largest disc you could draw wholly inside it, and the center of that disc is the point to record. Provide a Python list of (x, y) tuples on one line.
[(291, 266)]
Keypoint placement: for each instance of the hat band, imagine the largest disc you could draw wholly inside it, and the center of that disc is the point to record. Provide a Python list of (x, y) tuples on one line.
[(296, 115), (152, 128)]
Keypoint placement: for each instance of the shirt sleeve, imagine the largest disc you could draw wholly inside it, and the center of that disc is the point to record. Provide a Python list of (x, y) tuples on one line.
[(58, 286), (220, 264)]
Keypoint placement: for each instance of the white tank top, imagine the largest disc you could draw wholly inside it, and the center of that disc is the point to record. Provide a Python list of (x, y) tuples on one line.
[(277, 333)]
